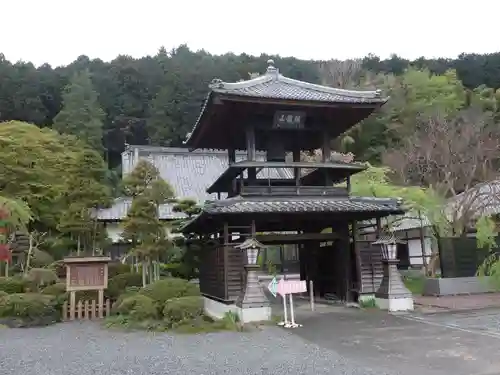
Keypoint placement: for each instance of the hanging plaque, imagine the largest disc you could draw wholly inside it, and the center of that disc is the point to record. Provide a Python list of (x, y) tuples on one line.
[(86, 273), (289, 120)]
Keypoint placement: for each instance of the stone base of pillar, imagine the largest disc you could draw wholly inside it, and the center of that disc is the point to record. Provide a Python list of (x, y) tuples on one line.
[(395, 304), (392, 294), (254, 314), (252, 296)]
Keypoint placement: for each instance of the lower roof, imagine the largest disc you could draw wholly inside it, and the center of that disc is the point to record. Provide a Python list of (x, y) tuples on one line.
[(238, 206)]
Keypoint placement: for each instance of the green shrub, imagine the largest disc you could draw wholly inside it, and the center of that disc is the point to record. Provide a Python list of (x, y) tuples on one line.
[(130, 291), (41, 277), (165, 289), (182, 309), (115, 269), (11, 285), (58, 290), (28, 307), (118, 283), (54, 289), (138, 307), (3, 294), (40, 259)]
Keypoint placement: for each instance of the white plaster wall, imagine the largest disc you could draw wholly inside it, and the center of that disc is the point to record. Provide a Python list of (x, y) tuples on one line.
[(415, 250), (114, 232)]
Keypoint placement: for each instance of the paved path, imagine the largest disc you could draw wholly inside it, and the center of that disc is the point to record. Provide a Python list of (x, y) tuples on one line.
[(437, 344), (85, 348)]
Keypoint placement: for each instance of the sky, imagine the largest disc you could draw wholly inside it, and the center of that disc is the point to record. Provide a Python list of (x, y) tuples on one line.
[(58, 31)]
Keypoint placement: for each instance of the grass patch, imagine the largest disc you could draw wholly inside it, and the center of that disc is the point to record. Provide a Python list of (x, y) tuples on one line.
[(415, 284), (201, 324)]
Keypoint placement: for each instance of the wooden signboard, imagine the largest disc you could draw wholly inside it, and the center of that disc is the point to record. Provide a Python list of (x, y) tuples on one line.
[(289, 120), (86, 273)]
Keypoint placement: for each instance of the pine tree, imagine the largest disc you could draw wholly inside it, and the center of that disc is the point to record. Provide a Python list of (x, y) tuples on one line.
[(143, 226), (81, 114)]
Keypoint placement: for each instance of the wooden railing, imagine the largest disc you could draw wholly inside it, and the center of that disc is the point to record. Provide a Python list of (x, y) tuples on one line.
[(86, 310), (294, 190)]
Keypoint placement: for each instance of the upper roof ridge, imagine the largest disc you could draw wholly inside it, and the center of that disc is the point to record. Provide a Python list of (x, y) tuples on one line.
[(272, 74)]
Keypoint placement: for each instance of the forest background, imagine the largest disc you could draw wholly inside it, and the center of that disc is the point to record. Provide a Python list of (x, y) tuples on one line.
[(63, 129)]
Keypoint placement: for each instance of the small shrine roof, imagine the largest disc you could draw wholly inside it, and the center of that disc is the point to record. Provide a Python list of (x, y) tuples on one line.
[(297, 205), (302, 204), (274, 86)]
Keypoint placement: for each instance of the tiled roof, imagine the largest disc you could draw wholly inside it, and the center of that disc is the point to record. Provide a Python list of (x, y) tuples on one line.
[(120, 207), (189, 174), (302, 204), (273, 85)]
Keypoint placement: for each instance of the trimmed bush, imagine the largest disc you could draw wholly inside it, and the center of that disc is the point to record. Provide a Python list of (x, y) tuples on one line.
[(115, 269), (41, 259), (165, 289), (130, 291), (118, 284), (11, 285), (58, 290), (138, 307), (41, 277), (181, 310), (55, 289), (27, 309)]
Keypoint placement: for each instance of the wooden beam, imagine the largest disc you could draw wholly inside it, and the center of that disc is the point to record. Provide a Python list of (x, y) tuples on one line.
[(293, 238)]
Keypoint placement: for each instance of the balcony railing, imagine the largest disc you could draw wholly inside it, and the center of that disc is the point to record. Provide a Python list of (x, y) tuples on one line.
[(293, 190)]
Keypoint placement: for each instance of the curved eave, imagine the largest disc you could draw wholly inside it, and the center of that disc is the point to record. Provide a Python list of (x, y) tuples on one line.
[(223, 95)]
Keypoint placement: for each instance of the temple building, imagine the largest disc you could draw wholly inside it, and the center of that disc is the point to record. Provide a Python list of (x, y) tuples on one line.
[(311, 206)]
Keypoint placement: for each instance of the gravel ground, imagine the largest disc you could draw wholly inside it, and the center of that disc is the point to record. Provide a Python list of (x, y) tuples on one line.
[(85, 348)]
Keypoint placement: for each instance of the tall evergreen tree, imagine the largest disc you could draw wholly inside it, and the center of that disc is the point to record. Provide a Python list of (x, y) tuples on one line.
[(143, 226), (81, 114)]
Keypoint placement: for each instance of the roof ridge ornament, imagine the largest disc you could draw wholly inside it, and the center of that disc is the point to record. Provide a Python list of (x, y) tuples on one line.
[(216, 83), (271, 69)]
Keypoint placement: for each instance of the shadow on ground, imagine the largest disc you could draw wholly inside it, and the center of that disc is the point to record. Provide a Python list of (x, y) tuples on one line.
[(406, 344)]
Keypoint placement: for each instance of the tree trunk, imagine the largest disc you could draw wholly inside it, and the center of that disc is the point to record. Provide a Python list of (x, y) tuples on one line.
[(30, 250), (78, 244), (144, 283), (422, 243)]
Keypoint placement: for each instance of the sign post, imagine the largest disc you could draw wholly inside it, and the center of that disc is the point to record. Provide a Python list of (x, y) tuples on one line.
[(273, 289), (289, 287)]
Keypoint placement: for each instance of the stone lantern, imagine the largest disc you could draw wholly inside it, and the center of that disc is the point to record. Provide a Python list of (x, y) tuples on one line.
[(392, 294), (252, 302)]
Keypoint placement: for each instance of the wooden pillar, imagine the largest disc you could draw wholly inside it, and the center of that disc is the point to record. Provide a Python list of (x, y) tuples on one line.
[(354, 233), (101, 302), (326, 150), (379, 228), (72, 305), (250, 138), (348, 182), (231, 155), (226, 233)]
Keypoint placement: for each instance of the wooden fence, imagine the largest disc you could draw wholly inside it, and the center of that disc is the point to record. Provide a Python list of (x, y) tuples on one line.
[(461, 257), (86, 310)]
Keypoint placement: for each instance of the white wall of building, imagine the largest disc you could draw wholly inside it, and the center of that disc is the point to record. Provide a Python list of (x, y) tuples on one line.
[(115, 231), (415, 250)]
